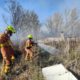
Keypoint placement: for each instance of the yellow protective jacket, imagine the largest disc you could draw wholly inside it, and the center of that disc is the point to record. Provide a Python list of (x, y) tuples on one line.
[(29, 44), (5, 40), (6, 46)]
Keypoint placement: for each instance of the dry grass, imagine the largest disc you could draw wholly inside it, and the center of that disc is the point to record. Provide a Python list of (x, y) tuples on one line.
[(70, 58), (24, 70)]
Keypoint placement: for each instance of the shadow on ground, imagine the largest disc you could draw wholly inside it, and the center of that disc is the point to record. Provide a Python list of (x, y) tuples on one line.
[(76, 75)]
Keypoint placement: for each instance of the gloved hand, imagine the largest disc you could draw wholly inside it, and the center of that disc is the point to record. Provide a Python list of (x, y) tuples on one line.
[(12, 59)]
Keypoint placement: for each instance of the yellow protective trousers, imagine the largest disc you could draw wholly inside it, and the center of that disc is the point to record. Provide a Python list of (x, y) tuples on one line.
[(29, 54), (7, 53)]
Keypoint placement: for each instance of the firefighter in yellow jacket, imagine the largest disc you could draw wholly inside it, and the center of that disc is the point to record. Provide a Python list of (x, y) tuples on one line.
[(28, 48), (7, 49)]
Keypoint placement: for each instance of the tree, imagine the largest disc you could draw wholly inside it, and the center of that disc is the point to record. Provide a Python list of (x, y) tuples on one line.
[(68, 23), (24, 21), (54, 23), (72, 22)]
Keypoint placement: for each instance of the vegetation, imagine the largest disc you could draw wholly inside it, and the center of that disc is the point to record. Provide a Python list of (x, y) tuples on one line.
[(70, 56), (25, 22)]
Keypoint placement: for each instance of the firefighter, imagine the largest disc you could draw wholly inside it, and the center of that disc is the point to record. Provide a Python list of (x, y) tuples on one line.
[(7, 50), (28, 48)]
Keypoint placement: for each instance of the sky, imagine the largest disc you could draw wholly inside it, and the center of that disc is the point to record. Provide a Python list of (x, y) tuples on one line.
[(43, 8)]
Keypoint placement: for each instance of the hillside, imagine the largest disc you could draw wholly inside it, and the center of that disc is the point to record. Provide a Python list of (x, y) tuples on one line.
[(25, 70)]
